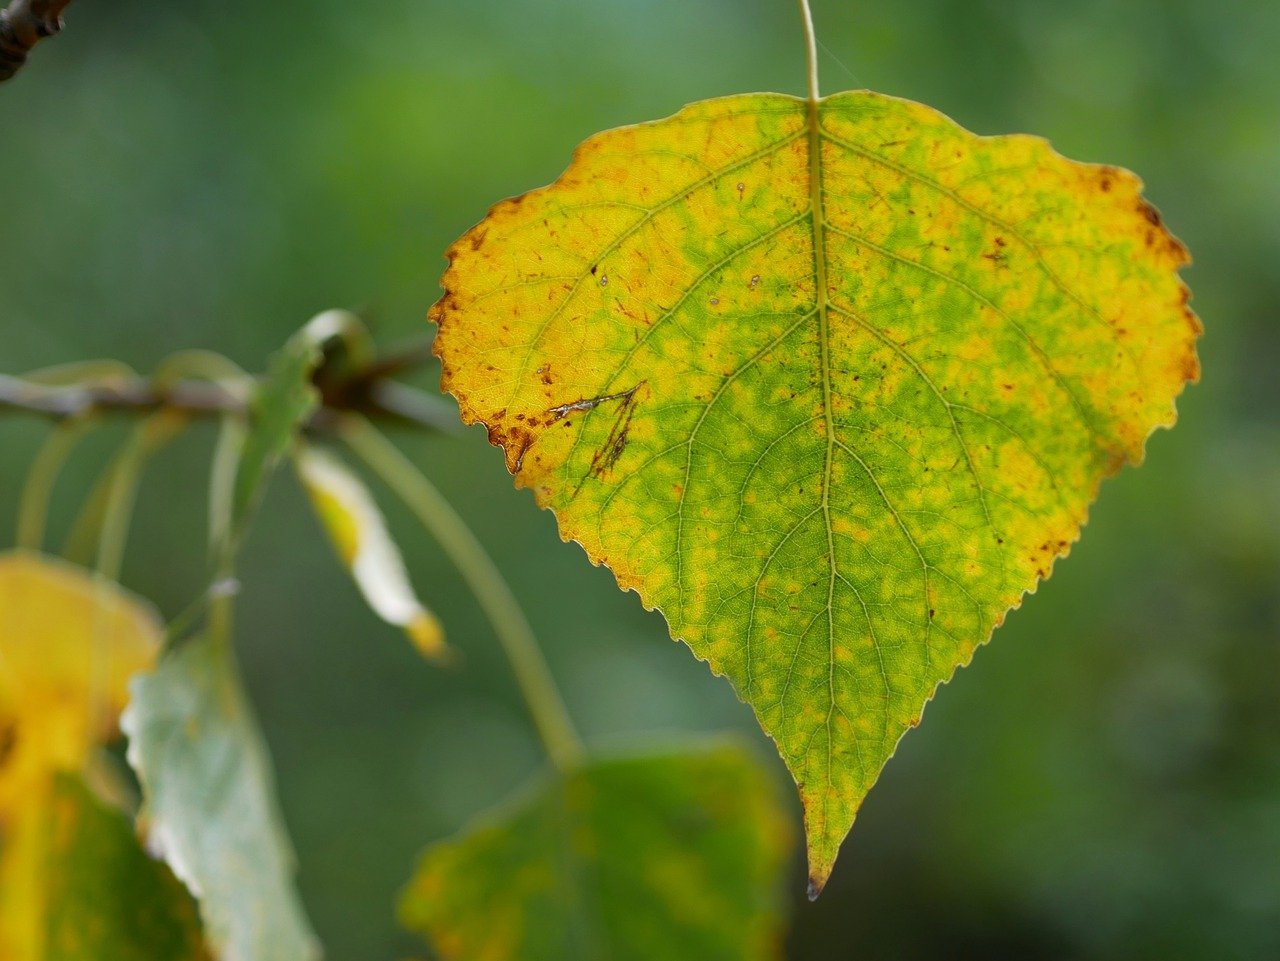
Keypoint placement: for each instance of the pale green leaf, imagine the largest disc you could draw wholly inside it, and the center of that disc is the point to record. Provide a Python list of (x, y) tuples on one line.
[(210, 806)]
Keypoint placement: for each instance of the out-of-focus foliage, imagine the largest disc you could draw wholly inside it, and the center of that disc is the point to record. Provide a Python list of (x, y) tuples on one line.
[(68, 863), (103, 898), (69, 642), (210, 807), (636, 858), (1102, 783), (279, 408)]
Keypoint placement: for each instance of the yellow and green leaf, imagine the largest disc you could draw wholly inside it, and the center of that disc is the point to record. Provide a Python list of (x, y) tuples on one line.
[(669, 856), (830, 384)]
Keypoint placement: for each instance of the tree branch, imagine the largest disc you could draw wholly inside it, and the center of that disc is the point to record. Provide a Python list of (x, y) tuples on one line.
[(197, 398), (369, 392), (23, 24)]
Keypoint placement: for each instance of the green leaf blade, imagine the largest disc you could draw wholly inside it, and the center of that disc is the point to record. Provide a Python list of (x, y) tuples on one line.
[(107, 900), (667, 856)]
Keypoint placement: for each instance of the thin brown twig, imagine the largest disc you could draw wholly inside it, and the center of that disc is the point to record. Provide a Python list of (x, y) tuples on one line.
[(371, 394), (23, 24), (198, 398)]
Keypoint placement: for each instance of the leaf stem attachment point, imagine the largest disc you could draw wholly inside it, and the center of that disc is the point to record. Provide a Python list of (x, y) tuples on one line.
[(811, 49)]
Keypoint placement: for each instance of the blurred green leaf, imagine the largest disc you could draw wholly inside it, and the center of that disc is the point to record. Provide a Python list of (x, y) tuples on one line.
[(210, 803), (106, 899), (663, 857), (81, 373), (148, 438)]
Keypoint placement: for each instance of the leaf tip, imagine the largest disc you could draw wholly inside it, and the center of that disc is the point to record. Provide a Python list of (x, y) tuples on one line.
[(427, 636)]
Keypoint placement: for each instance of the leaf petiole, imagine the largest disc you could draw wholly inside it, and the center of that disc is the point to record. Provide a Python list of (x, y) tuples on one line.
[(33, 509), (811, 49), (122, 488), (437, 515)]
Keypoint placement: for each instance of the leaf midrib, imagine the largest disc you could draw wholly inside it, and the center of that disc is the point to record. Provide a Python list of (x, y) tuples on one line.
[(817, 221)]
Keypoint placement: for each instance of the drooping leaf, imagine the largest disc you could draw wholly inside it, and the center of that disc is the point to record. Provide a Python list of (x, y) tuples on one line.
[(209, 804), (669, 856), (75, 885), (829, 386), (283, 402), (358, 532), (288, 396)]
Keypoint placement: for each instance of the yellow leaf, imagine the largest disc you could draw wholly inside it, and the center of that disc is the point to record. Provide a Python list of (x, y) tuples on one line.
[(831, 384), (69, 642)]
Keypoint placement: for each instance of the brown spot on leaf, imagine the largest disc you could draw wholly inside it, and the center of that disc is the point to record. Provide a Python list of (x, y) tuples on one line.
[(8, 741), (1190, 366), (516, 444)]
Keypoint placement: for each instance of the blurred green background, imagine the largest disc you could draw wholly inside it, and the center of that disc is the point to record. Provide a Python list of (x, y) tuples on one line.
[(1104, 780)]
